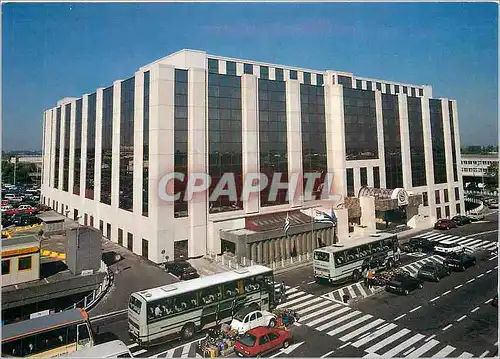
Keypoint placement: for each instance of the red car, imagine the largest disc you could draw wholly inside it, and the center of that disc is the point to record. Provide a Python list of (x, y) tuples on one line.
[(445, 224), (261, 340)]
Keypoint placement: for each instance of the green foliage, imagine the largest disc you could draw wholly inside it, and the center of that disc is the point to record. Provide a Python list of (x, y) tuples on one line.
[(491, 181), (479, 150), (23, 170)]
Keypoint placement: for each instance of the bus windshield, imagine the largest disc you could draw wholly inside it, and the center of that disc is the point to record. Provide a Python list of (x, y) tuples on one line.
[(135, 304), (322, 256)]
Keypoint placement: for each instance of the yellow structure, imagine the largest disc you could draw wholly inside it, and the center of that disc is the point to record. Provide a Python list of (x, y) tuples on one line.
[(20, 260)]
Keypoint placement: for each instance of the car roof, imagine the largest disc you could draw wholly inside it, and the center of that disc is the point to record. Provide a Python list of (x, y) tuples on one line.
[(259, 331), (245, 311)]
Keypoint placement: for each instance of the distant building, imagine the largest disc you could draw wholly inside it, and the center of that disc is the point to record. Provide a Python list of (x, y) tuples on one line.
[(392, 148), (475, 166)]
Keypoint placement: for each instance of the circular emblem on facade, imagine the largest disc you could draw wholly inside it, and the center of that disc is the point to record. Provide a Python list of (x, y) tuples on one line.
[(402, 197)]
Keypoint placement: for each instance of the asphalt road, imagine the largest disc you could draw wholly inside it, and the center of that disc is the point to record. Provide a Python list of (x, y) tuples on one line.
[(450, 318)]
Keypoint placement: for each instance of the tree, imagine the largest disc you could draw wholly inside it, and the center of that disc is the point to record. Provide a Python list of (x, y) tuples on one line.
[(23, 171), (492, 176)]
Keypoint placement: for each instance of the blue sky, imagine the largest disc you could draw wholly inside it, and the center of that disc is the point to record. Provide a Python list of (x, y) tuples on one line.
[(51, 51)]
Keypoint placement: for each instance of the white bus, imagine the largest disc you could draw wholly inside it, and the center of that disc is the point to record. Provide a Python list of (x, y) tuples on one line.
[(112, 349), (180, 309), (343, 262)]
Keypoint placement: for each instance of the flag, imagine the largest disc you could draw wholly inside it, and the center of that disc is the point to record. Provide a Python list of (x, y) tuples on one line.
[(286, 227), (326, 218)]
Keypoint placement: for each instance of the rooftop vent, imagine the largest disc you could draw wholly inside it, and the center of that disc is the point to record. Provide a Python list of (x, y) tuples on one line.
[(338, 245), (241, 270), (375, 235), (169, 288)]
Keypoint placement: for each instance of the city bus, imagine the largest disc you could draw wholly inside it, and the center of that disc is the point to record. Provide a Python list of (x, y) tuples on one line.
[(179, 310), (344, 262), (48, 336), (112, 349)]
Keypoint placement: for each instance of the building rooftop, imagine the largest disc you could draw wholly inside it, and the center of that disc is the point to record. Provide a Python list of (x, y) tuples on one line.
[(20, 242)]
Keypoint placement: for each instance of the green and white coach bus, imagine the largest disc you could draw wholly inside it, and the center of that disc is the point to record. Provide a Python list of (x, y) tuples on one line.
[(180, 309), (344, 262)]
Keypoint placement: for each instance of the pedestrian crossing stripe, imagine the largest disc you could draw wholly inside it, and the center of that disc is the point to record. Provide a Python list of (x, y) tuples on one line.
[(375, 336)]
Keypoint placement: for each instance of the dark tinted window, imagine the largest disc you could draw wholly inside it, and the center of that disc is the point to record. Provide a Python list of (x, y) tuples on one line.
[(360, 124), (107, 145), (213, 66), (420, 92), (278, 74), (145, 154), (181, 139), (231, 68), (413, 92), (89, 170), (345, 81), (405, 90), (264, 72), (273, 137), (359, 84), (379, 86), (67, 132), (78, 147), (369, 86), (307, 78), (126, 177), (438, 212), (376, 177), (293, 75), (248, 340), (248, 69), (425, 199), (457, 194), (224, 137), (319, 80), (437, 135), (350, 182), (364, 176), (392, 141), (453, 144), (416, 132), (313, 123)]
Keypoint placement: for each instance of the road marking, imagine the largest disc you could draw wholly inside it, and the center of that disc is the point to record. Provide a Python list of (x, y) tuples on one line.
[(327, 354), (484, 354), (494, 257), (474, 310), (313, 283), (408, 351), (387, 340), (170, 352), (414, 309), (466, 355), (315, 306), (479, 276), (349, 325), (338, 320), (363, 329), (344, 345), (447, 327), (471, 280), (185, 351), (424, 348), (489, 300), (447, 292), (361, 290), (461, 318), (432, 336), (496, 267), (305, 304), (488, 271), (294, 301), (444, 352), (374, 335), (351, 292), (433, 299), (401, 316), (399, 348), (139, 352), (458, 286), (324, 317), (130, 346)]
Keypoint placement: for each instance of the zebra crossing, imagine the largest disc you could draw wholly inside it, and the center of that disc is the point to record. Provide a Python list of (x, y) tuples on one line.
[(359, 291), (470, 244), (375, 336)]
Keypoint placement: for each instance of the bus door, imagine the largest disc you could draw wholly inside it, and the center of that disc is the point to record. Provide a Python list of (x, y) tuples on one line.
[(83, 340)]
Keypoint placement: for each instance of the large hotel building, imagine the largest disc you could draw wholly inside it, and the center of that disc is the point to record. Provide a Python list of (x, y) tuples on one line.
[(391, 148)]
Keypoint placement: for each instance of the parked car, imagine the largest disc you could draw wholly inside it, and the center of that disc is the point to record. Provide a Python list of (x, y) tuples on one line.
[(447, 247), (445, 224), (459, 261), (493, 205), (404, 284), (248, 318), (182, 270), (433, 271), (461, 220), (418, 245), (261, 341), (494, 302), (476, 216)]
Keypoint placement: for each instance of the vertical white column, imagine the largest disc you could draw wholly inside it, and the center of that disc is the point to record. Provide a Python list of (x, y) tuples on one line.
[(294, 142), (47, 153), (357, 180), (370, 177), (83, 160), (335, 135), (61, 148), (250, 136), (404, 132), (138, 151), (429, 162), (98, 149), (380, 137), (72, 134), (456, 128), (161, 160), (197, 155), (53, 171), (115, 164), (448, 155)]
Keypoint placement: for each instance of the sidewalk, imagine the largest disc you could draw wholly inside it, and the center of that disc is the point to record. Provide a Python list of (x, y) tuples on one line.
[(132, 273)]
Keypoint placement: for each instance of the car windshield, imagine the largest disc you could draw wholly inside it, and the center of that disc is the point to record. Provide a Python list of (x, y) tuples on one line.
[(427, 268), (248, 340), (240, 315), (446, 245)]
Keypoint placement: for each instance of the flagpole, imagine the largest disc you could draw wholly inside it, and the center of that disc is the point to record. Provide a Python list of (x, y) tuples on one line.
[(312, 227)]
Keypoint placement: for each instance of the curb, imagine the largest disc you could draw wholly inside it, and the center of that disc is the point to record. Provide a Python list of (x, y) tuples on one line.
[(289, 268)]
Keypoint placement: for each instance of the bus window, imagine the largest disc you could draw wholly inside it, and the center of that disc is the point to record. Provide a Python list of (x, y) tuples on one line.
[(135, 304), (160, 308), (185, 302), (268, 281), (339, 258), (352, 254), (231, 290), (12, 348), (364, 250), (210, 295), (395, 244), (387, 244), (251, 285), (241, 288), (376, 247), (322, 256)]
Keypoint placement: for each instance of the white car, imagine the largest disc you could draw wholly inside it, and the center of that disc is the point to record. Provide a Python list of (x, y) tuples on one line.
[(248, 318), (446, 247), (476, 216)]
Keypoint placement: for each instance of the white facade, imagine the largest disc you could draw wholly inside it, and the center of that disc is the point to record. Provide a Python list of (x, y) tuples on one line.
[(477, 165), (200, 228)]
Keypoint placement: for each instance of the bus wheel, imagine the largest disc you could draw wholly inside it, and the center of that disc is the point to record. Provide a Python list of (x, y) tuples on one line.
[(356, 275), (187, 331)]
